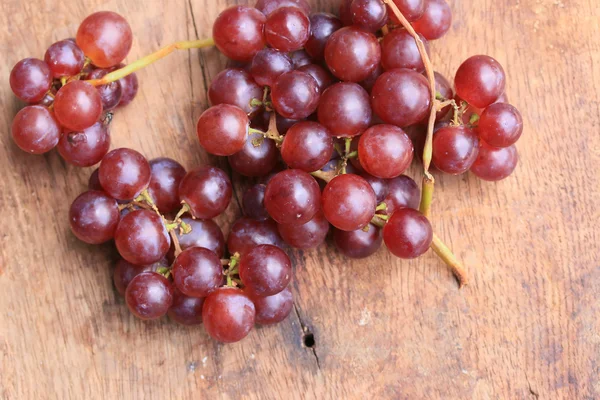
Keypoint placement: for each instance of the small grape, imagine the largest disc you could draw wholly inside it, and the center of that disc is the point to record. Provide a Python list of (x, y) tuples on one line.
[(77, 105), (480, 80), (247, 233), (273, 309), (64, 58), (287, 29), (253, 203), (105, 37), (165, 176), (85, 148), (295, 95), (141, 237), (322, 25), (407, 234), (222, 129), (352, 54), (308, 235), (494, 164), (385, 151), (236, 87), (500, 125), (35, 130), (207, 191), (435, 21), (360, 243), (186, 310), (228, 314), (197, 272), (455, 149), (265, 270), (239, 32), (348, 202), (94, 217), (124, 173), (149, 295), (292, 197), (30, 79)]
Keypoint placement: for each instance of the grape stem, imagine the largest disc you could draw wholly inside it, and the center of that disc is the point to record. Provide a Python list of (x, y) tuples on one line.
[(150, 58), (450, 259), (176, 244), (271, 133)]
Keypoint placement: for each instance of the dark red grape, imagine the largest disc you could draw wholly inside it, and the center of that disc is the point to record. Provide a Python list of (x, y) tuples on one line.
[(321, 75), (345, 109), (64, 58), (207, 191), (149, 295), (307, 146), (105, 37), (370, 15), (110, 93), (94, 217), (35, 130), (238, 32), (228, 314), (292, 197), (222, 129), (345, 13), (287, 29), (295, 95), (30, 79), (269, 6), (360, 243), (265, 270), (268, 65), (352, 54), (407, 234), (369, 82), (348, 202), (411, 9), (283, 124), (379, 186), (401, 97), (385, 151), (300, 58), (235, 87), (322, 25), (273, 309), (308, 235), (129, 88), (455, 149), (165, 176), (494, 164), (77, 105), (247, 233), (253, 203), (500, 125), (186, 310), (480, 80), (402, 192), (141, 237), (197, 272), (258, 157), (126, 271), (124, 173), (399, 50), (204, 233), (87, 147), (94, 181), (436, 20)]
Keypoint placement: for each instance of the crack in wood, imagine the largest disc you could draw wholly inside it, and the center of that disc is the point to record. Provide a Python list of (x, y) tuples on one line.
[(306, 331)]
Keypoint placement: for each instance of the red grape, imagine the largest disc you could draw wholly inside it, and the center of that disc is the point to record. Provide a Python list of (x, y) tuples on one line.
[(500, 125), (402, 192), (268, 65), (399, 50), (480, 80), (222, 129), (197, 272), (253, 203), (307, 146), (165, 176), (87, 147), (345, 110), (105, 37), (129, 88), (258, 157), (287, 29), (345, 13), (295, 95), (494, 164), (360, 243), (30, 79), (292, 197), (370, 15), (126, 271), (455, 149), (348, 202), (238, 32), (64, 58), (411, 9), (265, 270), (77, 105), (273, 309), (407, 234), (235, 87), (322, 25), (124, 173), (35, 130), (205, 233), (321, 75), (379, 186), (269, 6), (141, 237), (228, 314), (369, 81), (385, 151), (110, 93), (94, 217), (247, 233), (436, 20), (352, 54), (308, 235), (300, 58), (207, 191), (94, 181), (186, 310), (149, 295)]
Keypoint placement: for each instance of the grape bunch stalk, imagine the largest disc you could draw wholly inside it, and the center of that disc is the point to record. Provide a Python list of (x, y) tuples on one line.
[(323, 113)]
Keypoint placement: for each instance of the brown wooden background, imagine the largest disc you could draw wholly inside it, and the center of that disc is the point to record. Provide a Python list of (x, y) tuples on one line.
[(528, 326)]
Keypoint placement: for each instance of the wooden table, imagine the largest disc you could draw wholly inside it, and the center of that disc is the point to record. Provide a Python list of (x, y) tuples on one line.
[(527, 326)]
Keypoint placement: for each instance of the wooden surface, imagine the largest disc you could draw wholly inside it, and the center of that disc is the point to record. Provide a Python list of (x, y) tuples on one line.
[(527, 326)]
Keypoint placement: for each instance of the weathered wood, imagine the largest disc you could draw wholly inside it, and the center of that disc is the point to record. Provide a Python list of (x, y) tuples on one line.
[(527, 326)]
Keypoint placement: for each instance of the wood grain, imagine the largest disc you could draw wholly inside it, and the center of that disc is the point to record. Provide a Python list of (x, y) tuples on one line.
[(526, 327)]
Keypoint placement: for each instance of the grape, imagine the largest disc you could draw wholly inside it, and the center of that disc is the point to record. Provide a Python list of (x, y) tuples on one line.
[(64, 58), (352, 54), (295, 95), (345, 110), (94, 181), (247, 233), (235, 87), (321, 75), (253, 203), (287, 29), (480, 80), (455, 149), (348, 202), (284, 124), (407, 234), (436, 20), (35, 130), (87, 147), (207, 191), (265, 270), (380, 186), (149, 295), (141, 237), (360, 243), (165, 176), (369, 82), (126, 271), (494, 164), (307, 146), (500, 125), (401, 97), (204, 233), (222, 129), (238, 32), (105, 37), (30, 79), (399, 50), (443, 88), (370, 15), (110, 93), (402, 192), (322, 25), (77, 105), (269, 6), (385, 151), (411, 9), (228, 314), (258, 157), (94, 217), (124, 173), (129, 88), (273, 309), (268, 65), (292, 197), (197, 272), (308, 235), (186, 310), (48, 99)]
